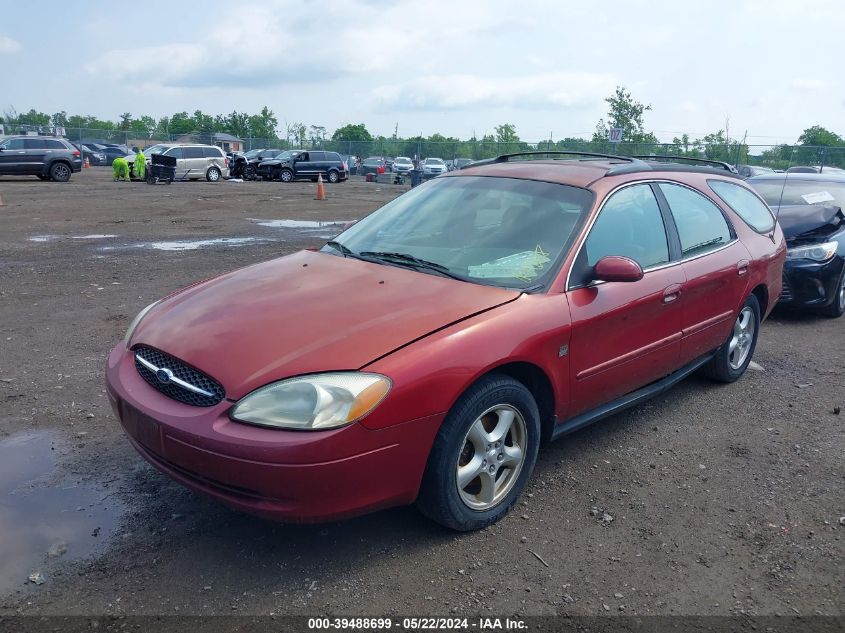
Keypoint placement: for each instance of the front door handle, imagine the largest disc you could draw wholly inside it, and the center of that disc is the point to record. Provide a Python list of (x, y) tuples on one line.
[(742, 267), (672, 293)]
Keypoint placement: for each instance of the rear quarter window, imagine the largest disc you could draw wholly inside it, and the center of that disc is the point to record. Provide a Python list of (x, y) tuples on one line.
[(212, 152), (745, 204)]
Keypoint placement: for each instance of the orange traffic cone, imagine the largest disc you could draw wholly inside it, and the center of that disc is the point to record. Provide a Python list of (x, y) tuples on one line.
[(87, 163), (321, 190)]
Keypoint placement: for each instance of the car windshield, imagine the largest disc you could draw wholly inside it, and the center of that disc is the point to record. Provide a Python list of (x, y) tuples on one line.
[(495, 231), (286, 155), (155, 149), (433, 161), (798, 191), (372, 161), (252, 153), (402, 160)]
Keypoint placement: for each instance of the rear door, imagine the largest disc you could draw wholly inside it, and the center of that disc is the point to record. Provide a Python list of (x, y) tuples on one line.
[(34, 156), (12, 156), (715, 264), (624, 334), (194, 161)]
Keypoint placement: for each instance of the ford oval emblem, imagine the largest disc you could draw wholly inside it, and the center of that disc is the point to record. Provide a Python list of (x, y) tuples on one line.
[(164, 375)]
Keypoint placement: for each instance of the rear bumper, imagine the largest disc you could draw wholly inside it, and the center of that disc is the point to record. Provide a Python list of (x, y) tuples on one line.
[(811, 284), (281, 475)]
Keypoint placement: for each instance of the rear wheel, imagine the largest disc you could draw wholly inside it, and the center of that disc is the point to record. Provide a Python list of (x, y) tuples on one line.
[(213, 174), (286, 175), (482, 456), (333, 176), (60, 172), (732, 358), (837, 307)]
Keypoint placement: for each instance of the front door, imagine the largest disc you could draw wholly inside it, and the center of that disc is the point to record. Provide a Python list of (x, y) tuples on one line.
[(624, 334), (12, 156)]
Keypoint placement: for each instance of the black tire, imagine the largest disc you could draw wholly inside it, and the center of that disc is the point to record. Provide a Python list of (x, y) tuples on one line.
[(440, 498), (333, 176), (721, 367), (213, 174), (837, 307), (286, 175), (151, 180), (250, 172), (60, 172)]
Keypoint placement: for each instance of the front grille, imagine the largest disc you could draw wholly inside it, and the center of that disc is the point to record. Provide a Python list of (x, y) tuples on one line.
[(182, 372), (786, 291)]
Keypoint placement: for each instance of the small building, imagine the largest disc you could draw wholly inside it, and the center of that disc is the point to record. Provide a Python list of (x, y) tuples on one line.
[(226, 142)]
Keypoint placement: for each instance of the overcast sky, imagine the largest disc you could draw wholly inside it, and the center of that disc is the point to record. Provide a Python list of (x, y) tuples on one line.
[(456, 67)]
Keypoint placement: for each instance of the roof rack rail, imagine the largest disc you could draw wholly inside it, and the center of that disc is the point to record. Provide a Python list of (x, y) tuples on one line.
[(504, 158), (689, 159)]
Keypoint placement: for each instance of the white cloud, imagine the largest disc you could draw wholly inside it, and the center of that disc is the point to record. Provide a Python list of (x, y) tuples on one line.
[(805, 83), (552, 90), (8, 45)]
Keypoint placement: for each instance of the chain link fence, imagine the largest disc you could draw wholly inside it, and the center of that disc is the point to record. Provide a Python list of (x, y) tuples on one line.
[(778, 157)]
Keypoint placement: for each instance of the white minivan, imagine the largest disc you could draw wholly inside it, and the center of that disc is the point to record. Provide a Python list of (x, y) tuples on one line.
[(196, 161)]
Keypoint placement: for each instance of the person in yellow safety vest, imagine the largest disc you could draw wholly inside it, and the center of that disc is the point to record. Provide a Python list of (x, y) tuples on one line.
[(140, 164), (121, 169)]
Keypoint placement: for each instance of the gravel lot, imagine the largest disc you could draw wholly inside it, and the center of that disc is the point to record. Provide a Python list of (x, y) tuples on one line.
[(710, 500)]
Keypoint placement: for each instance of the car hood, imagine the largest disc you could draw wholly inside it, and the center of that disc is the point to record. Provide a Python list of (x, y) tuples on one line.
[(809, 220), (305, 313)]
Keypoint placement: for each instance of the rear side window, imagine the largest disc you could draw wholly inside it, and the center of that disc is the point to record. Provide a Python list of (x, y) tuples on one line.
[(35, 143), (701, 225), (211, 152), (333, 156), (193, 152), (745, 204), (630, 224)]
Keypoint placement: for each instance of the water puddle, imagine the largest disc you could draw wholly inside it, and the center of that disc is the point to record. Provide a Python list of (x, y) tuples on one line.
[(299, 224), (52, 238), (192, 245), (44, 520)]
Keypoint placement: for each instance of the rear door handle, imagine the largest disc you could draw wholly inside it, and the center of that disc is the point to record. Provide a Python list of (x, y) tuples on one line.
[(672, 293), (742, 267)]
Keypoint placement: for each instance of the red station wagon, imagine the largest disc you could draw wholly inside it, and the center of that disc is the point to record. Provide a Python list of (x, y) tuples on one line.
[(426, 353)]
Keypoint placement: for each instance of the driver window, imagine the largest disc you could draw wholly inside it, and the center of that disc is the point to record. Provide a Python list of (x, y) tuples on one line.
[(631, 225), (15, 143)]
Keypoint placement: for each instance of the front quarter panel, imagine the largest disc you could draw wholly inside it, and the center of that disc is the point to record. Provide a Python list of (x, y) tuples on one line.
[(429, 375)]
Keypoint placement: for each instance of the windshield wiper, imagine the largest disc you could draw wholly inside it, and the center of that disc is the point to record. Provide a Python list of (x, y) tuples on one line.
[(340, 247), (415, 262)]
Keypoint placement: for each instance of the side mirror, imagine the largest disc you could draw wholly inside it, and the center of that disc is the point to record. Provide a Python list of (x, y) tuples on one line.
[(617, 268)]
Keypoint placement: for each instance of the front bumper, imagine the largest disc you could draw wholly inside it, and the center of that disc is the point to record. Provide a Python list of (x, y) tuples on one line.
[(281, 475), (811, 284)]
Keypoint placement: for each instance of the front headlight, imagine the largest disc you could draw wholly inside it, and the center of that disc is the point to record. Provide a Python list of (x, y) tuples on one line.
[(316, 402), (131, 329), (816, 252)]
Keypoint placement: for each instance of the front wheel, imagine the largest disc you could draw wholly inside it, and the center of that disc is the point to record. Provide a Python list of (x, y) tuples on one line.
[(482, 456), (837, 307), (286, 175), (732, 358), (250, 172), (60, 172), (213, 174)]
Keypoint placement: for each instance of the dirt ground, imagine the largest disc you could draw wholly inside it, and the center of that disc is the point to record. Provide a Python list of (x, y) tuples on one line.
[(725, 499)]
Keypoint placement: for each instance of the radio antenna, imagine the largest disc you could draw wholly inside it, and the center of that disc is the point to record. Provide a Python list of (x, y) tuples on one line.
[(782, 189)]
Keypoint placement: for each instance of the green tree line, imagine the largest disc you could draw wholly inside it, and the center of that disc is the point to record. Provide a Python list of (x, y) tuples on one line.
[(816, 145)]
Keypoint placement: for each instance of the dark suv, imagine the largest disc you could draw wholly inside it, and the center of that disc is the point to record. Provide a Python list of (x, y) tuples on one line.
[(48, 158), (295, 164)]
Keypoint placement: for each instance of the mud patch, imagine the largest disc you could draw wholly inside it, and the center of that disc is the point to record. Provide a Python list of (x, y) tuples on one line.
[(45, 519)]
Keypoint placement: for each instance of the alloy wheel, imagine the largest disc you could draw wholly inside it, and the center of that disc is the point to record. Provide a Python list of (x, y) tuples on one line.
[(742, 339), (491, 457)]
